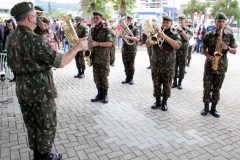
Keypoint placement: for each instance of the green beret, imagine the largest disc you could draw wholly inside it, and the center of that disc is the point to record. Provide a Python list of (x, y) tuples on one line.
[(21, 8), (167, 18), (78, 18), (221, 15), (97, 13), (182, 17), (129, 17), (38, 8)]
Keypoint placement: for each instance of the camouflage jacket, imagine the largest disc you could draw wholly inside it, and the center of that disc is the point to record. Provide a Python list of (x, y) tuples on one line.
[(209, 43), (165, 56), (82, 31), (101, 34), (131, 48), (31, 58), (184, 42)]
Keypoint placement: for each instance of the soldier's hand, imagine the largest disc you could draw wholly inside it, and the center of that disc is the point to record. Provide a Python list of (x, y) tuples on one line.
[(224, 46), (94, 44), (81, 45), (161, 35), (210, 58)]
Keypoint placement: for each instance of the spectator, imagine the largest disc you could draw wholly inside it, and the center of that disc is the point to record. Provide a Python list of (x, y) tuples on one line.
[(211, 27), (200, 34), (1, 34)]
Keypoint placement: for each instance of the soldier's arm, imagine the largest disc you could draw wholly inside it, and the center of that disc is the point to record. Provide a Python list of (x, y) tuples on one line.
[(205, 47), (176, 44), (185, 35), (134, 38), (232, 48)]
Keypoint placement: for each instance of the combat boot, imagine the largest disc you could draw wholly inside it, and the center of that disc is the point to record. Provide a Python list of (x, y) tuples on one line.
[(213, 110), (98, 96), (50, 156), (188, 63), (174, 85), (131, 80), (105, 97), (79, 73), (205, 111), (126, 80), (164, 104), (82, 74), (179, 83), (157, 104)]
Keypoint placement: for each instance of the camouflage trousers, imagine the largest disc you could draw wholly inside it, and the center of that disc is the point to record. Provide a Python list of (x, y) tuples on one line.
[(161, 83), (149, 51), (128, 62), (190, 51), (100, 75), (112, 54), (181, 60), (212, 84), (41, 121), (80, 62)]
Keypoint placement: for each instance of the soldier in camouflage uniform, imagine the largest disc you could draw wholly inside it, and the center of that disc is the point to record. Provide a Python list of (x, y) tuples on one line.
[(32, 57), (101, 41), (129, 51), (213, 79), (82, 33), (191, 44), (113, 47), (181, 56), (163, 63)]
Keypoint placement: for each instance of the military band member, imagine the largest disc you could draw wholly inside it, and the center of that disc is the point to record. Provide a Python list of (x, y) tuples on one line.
[(101, 41), (82, 33), (191, 42), (181, 56), (31, 57), (163, 63), (129, 51), (113, 47), (213, 79), (42, 22), (149, 48)]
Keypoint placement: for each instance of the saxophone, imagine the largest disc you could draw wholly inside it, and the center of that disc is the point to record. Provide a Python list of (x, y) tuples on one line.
[(217, 54), (88, 52), (69, 30)]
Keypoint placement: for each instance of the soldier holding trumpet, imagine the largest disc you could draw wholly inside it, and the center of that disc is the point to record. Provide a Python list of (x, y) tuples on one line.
[(163, 63)]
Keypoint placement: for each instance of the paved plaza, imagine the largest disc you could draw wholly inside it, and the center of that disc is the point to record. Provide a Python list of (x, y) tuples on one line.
[(127, 128)]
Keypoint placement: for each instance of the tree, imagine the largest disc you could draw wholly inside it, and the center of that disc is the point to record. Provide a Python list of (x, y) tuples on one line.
[(194, 6), (229, 7), (124, 6)]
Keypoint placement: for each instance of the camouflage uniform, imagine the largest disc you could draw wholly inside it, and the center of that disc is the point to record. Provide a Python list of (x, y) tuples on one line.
[(129, 54), (82, 32), (181, 59), (31, 58), (113, 49), (212, 81), (163, 66), (149, 51), (101, 57)]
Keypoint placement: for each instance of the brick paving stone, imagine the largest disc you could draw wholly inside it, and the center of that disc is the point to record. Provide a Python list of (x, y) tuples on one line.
[(126, 127)]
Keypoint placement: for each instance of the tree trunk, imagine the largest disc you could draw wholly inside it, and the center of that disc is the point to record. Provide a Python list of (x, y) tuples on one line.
[(93, 7), (123, 8), (84, 7)]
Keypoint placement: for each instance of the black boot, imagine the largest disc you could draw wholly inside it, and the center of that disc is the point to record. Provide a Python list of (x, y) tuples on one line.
[(213, 110), (188, 63), (157, 104), (206, 109), (164, 104), (98, 96), (82, 74), (131, 80), (79, 73), (126, 80), (105, 97), (50, 156), (179, 83), (174, 85)]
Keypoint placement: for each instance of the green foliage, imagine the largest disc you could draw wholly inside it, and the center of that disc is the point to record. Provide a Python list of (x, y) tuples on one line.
[(229, 7), (58, 14), (196, 6)]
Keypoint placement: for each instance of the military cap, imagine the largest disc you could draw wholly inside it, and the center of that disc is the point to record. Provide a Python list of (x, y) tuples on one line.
[(21, 8), (182, 17), (78, 18), (38, 9), (167, 18), (129, 17), (97, 13), (221, 15)]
